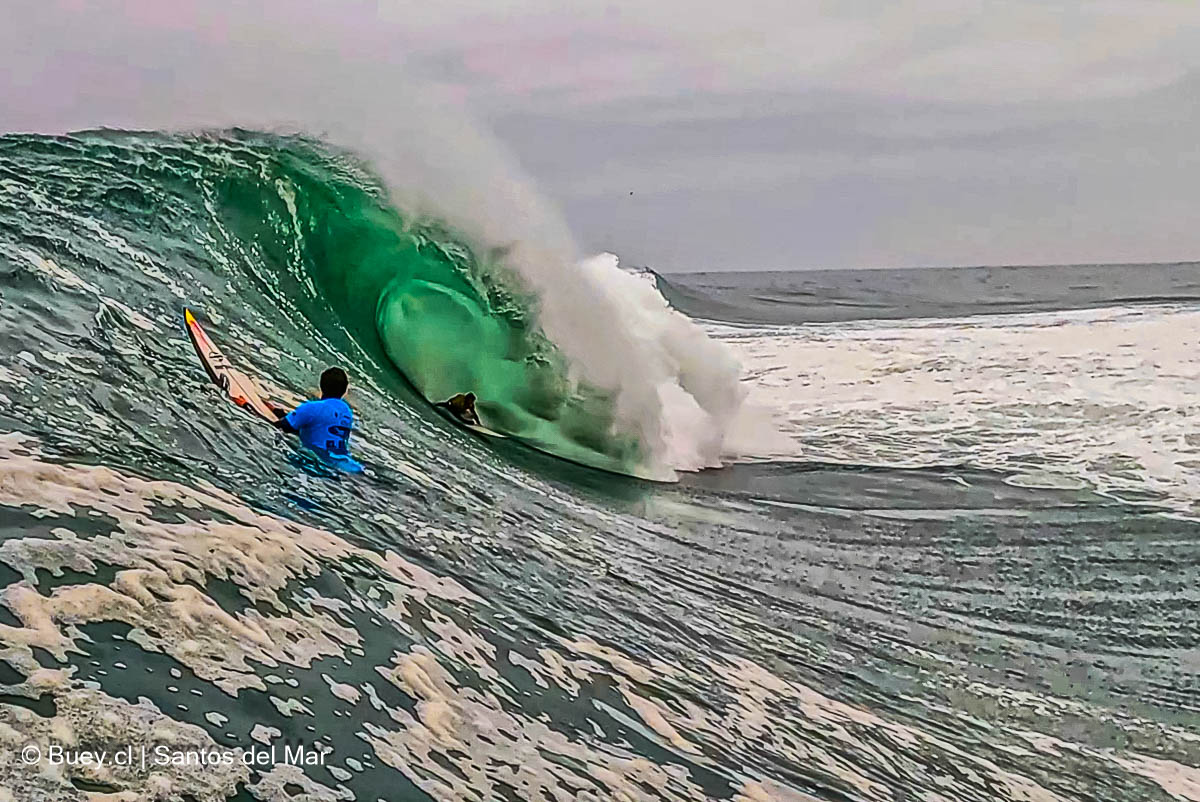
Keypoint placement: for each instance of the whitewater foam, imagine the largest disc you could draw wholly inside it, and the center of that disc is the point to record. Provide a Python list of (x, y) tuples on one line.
[(682, 388), (1102, 398)]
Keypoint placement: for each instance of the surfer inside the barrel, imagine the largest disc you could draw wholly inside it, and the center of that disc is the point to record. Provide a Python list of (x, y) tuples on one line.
[(462, 406), (323, 425)]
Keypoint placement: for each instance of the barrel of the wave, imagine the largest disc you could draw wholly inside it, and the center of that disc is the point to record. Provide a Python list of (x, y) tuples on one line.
[(416, 294), (446, 340)]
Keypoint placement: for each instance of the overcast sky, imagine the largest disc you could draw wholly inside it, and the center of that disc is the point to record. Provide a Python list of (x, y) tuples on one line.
[(843, 134), (785, 135)]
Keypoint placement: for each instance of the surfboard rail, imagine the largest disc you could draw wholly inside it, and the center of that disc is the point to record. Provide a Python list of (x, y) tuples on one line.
[(240, 388)]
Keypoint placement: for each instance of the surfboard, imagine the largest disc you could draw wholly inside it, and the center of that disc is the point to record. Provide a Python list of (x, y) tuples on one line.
[(483, 430), (240, 388)]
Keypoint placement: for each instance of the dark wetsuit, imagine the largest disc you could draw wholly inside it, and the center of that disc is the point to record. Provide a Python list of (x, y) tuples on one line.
[(462, 408)]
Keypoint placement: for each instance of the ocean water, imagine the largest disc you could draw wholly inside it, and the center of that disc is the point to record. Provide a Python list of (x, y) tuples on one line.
[(952, 554), (829, 296)]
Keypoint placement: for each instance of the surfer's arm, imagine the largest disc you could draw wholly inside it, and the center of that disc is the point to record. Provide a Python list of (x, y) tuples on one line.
[(292, 421), (281, 422)]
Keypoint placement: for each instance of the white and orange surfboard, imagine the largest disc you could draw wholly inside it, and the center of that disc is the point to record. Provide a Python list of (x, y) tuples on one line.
[(240, 388)]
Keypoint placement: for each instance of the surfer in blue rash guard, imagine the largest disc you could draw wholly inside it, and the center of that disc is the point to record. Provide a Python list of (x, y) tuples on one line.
[(324, 425)]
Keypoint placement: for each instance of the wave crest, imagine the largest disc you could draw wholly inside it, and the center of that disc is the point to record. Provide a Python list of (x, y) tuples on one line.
[(586, 361)]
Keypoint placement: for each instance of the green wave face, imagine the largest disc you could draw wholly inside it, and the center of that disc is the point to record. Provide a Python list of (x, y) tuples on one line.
[(415, 295)]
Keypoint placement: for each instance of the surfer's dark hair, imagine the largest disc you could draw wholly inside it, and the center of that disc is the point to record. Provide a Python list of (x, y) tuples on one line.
[(334, 383)]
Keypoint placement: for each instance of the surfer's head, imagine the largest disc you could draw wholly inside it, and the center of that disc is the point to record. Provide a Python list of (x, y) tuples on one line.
[(334, 383)]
